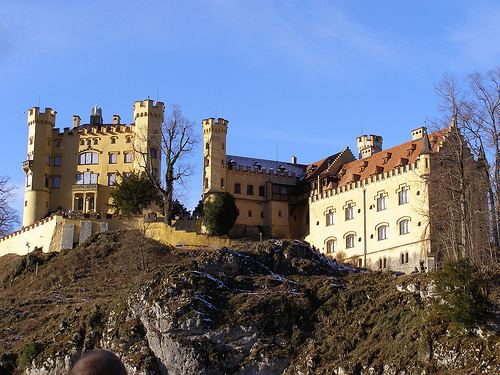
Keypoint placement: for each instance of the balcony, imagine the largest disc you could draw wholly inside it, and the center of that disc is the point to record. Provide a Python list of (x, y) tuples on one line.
[(85, 187), (27, 165)]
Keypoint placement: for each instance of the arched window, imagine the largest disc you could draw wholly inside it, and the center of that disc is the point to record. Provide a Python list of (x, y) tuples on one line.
[(406, 257), (127, 139), (113, 140), (331, 245), (349, 241), (88, 158), (385, 263), (380, 264), (127, 157), (112, 158), (404, 226), (382, 232)]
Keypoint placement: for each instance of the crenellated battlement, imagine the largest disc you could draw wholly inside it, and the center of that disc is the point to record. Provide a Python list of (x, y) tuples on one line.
[(46, 117), (210, 122), (327, 193), (148, 107)]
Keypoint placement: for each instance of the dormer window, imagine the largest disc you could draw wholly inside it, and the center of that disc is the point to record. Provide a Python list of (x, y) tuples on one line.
[(402, 161), (412, 148), (363, 166), (387, 157)]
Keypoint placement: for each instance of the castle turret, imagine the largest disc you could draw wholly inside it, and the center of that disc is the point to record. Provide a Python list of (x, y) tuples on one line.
[(214, 155), (148, 119), (96, 115), (37, 165), (369, 145)]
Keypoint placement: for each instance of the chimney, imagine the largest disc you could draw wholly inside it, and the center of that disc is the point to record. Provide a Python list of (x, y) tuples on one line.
[(418, 133), (294, 160), (116, 119), (76, 121)]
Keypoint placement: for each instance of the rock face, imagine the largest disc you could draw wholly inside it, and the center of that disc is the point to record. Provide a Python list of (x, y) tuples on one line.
[(272, 308)]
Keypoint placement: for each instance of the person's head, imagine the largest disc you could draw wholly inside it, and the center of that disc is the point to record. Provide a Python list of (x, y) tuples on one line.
[(99, 362)]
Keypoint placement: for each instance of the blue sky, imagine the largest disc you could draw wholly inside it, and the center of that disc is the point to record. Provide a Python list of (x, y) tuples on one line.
[(301, 77)]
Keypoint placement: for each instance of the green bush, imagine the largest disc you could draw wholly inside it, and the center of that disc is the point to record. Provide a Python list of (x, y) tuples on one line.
[(461, 291), (220, 214), (29, 352), (134, 193)]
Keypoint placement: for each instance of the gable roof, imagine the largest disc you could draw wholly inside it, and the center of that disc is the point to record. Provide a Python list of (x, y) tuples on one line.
[(392, 158)]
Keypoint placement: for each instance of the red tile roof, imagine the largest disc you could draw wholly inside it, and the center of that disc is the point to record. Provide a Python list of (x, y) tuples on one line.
[(387, 160)]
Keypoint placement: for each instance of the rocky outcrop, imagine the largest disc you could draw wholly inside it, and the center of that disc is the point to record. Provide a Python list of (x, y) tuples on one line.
[(273, 308)]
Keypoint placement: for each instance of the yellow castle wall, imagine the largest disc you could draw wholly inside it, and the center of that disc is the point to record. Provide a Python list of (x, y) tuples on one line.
[(46, 143), (416, 242)]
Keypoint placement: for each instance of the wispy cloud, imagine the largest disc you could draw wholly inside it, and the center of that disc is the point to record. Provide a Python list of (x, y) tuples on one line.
[(321, 35), (477, 38)]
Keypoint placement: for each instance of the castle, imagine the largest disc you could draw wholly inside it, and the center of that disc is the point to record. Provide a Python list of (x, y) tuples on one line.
[(75, 169), (374, 211), (377, 211)]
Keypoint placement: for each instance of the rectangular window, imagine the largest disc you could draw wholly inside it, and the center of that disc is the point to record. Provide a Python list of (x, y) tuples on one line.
[(249, 213), (330, 218), (403, 196), (404, 227), (154, 172), (262, 214), (330, 246), (221, 182), (47, 160), (58, 143), (127, 157), (56, 182), (349, 212), (237, 188), (111, 179), (57, 160), (46, 181), (86, 178), (349, 241), (112, 158), (153, 153), (29, 179), (249, 189), (381, 203), (262, 191)]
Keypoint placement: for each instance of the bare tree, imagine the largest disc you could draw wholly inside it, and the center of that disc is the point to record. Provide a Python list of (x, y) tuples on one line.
[(8, 216), (461, 183), (475, 106), (178, 139)]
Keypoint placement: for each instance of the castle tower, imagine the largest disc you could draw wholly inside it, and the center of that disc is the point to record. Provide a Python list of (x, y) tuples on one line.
[(368, 145), (38, 164), (214, 155), (148, 119)]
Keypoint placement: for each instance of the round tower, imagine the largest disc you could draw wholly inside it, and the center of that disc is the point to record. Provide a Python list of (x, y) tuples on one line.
[(214, 155), (37, 165), (148, 119)]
